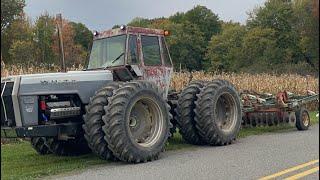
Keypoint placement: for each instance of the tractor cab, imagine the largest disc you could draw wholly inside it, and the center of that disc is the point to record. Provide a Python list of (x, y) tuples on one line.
[(133, 53)]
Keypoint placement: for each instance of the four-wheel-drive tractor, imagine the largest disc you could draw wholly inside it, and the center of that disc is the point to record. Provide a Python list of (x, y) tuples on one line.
[(120, 106)]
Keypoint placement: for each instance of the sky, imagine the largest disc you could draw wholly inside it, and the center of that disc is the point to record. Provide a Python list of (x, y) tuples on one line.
[(103, 14)]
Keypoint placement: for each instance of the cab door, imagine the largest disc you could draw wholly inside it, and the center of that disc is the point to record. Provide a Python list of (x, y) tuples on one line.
[(155, 61)]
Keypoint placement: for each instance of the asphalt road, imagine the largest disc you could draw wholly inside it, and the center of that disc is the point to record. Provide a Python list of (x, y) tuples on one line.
[(249, 158)]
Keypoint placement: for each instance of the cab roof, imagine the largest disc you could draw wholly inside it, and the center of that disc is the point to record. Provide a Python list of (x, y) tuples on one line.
[(128, 29)]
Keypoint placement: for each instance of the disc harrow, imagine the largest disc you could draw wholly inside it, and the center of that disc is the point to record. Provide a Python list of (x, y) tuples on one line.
[(272, 110)]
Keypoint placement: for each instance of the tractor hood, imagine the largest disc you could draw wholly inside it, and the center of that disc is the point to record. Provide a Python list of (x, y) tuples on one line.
[(66, 78), (83, 83)]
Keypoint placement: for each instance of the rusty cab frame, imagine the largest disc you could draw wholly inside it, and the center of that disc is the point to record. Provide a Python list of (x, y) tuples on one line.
[(160, 73)]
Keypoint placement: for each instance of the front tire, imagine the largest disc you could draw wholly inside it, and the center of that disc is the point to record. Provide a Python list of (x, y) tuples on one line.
[(40, 145), (93, 121), (72, 147), (137, 122)]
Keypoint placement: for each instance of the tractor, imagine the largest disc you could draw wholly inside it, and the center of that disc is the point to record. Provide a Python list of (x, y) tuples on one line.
[(120, 106)]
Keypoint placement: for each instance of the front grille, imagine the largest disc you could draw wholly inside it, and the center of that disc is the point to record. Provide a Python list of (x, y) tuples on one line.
[(7, 111)]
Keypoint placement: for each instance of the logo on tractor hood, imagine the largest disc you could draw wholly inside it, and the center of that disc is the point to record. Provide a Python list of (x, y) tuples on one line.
[(61, 82)]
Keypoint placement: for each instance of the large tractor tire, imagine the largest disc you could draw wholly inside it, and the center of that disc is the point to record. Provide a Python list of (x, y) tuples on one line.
[(93, 121), (218, 113), (173, 107), (302, 119), (72, 147), (137, 122), (40, 145), (186, 115)]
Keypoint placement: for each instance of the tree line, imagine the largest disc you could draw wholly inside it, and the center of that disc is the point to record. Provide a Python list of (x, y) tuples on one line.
[(280, 36), (24, 42)]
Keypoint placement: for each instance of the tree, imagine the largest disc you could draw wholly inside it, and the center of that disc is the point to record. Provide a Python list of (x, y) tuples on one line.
[(22, 52), (224, 52), (44, 30), (205, 19), (10, 9), (139, 22), (306, 26), (260, 50), (187, 46), (177, 17), (74, 53), (21, 30), (278, 15), (82, 35)]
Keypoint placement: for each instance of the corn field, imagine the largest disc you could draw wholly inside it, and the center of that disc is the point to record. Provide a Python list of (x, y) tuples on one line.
[(261, 83)]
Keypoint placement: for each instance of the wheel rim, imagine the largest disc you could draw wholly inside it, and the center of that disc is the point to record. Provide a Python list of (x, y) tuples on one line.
[(226, 111), (305, 119), (145, 122)]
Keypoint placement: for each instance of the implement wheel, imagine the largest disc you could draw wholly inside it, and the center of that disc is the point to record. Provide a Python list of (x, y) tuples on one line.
[(302, 119)]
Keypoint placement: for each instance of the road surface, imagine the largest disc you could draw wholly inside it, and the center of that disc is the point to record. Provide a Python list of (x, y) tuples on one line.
[(280, 155)]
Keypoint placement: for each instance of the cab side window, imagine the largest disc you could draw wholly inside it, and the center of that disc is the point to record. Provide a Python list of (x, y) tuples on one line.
[(151, 50), (133, 57), (166, 56)]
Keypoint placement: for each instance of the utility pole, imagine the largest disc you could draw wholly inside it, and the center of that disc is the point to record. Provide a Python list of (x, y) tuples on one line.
[(59, 27)]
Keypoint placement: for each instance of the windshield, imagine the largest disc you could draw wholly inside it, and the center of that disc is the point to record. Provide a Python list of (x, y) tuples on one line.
[(107, 52)]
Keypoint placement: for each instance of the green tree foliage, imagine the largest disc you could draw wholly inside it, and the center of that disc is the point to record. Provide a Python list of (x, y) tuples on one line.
[(21, 52), (205, 19), (281, 35), (82, 35), (224, 51), (307, 28), (19, 30), (190, 34), (10, 9), (44, 30), (139, 22), (260, 50), (279, 15), (187, 46)]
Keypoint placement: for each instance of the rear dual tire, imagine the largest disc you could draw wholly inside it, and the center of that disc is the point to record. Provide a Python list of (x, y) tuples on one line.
[(218, 113), (185, 113), (209, 113)]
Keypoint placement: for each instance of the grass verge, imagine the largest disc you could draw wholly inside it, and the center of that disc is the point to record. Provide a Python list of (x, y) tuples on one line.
[(20, 161)]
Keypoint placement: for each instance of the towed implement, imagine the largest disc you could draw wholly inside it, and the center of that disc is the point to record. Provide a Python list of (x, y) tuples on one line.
[(120, 106), (272, 110)]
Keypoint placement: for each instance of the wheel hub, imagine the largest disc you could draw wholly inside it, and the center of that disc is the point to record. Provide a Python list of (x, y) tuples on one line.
[(305, 119), (226, 112), (145, 122)]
